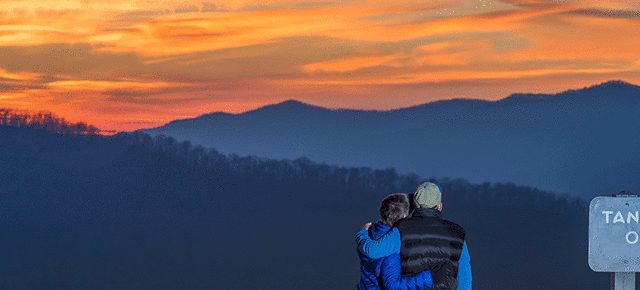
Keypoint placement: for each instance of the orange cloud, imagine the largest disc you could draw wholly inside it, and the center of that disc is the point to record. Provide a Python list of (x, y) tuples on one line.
[(352, 64), (21, 76), (147, 62), (98, 86)]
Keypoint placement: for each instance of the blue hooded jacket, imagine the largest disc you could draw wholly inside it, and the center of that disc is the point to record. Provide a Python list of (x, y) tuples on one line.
[(385, 273)]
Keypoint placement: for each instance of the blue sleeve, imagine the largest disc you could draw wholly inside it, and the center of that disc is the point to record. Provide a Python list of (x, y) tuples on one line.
[(464, 269), (382, 247), (392, 279)]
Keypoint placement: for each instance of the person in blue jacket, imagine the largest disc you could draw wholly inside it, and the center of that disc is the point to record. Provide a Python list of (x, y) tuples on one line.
[(384, 272), (426, 235)]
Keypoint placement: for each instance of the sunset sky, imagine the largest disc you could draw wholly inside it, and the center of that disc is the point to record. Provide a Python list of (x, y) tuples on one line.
[(125, 65)]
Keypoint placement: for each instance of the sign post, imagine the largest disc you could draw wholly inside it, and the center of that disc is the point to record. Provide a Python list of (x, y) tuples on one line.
[(614, 238)]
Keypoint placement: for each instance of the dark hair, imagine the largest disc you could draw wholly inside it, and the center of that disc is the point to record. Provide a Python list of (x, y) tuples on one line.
[(412, 201), (393, 207)]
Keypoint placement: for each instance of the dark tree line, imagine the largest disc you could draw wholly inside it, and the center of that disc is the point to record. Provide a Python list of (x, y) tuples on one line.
[(512, 195), (45, 121), (268, 169), (262, 169), (385, 180), (211, 162)]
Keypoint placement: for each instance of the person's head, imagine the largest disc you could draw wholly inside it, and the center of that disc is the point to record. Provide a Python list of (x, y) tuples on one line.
[(428, 195), (393, 207)]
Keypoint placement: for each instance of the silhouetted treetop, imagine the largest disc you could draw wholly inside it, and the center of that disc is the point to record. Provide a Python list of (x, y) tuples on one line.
[(45, 121)]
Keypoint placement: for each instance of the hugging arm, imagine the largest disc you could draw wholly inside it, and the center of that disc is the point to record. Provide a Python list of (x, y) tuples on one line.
[(382, 247)]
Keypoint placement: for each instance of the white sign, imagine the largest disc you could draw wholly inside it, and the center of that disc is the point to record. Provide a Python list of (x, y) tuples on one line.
[(614, 234)]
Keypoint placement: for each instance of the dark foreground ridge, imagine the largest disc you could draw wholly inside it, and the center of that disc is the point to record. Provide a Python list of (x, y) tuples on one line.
[(134, 212)]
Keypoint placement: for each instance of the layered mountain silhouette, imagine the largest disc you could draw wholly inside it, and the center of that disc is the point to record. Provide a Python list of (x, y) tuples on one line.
[(133, 212), (583, 142)]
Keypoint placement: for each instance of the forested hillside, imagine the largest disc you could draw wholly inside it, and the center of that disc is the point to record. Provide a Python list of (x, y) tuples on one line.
[(566, 143), (84, 211)]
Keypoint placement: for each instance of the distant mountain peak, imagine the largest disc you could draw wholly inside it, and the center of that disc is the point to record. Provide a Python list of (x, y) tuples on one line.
[(289, 106), (612, 85), (615, 83), (293, 102), (214, 114), (613, 88)]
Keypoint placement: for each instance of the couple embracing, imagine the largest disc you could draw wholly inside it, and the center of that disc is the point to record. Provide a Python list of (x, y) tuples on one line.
[(413, 250)]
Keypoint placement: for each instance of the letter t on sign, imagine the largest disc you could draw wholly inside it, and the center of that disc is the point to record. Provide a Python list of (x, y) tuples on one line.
[(607, 213)]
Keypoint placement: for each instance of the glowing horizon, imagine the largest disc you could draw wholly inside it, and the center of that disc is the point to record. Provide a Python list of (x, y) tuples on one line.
[(125, 65)]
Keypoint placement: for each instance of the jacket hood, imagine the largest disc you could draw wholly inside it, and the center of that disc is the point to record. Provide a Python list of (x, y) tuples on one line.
[(378, 230)]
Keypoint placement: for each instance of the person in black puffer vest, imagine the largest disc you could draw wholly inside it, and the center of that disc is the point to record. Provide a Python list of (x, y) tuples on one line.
[(425, 241), (430, 242)]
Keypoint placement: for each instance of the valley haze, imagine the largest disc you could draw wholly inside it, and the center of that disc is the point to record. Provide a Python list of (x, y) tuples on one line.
[(580, 142)]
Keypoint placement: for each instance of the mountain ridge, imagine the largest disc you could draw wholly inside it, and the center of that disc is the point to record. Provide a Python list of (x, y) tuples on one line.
[(293, 104), (540, 140)]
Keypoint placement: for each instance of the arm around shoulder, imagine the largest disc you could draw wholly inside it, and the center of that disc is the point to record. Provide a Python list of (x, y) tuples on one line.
[(382, 247)]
